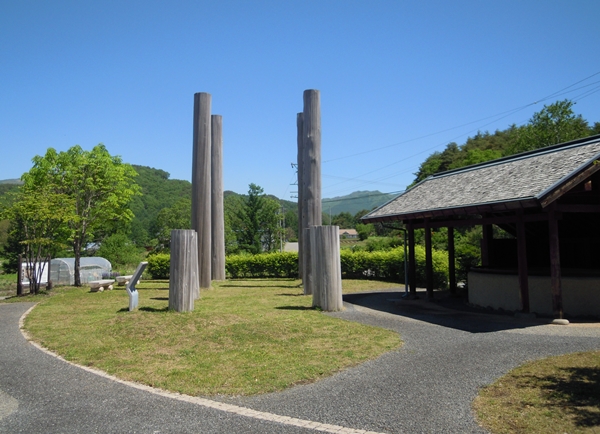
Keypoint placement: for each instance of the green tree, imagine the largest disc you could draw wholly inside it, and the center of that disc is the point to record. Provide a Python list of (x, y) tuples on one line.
[(176, 217), (120, 250), (556, 123), (99, 186), (256, 222), (39, 218)]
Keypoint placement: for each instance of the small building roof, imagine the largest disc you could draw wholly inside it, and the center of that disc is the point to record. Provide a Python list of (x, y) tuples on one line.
[(527, 180)]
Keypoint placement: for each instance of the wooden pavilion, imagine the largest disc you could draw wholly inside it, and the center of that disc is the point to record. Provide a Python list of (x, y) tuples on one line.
[(548, 199)]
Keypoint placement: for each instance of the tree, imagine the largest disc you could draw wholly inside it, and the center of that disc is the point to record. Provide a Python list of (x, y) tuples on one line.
[(556, 123), (256, 222), (39, 219), (176, 217), (98, 185)]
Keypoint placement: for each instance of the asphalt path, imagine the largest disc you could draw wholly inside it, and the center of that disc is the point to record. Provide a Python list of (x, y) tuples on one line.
[(427, 386)]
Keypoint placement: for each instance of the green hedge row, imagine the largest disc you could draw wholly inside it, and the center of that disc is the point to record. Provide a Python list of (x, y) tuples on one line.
[(381, 265), (278, 264), (389, 265)]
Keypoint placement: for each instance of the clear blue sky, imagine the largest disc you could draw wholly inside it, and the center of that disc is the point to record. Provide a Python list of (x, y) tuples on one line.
[(398, 75)]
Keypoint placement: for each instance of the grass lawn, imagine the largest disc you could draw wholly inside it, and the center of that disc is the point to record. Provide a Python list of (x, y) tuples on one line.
[(243, 337), (554, 395)]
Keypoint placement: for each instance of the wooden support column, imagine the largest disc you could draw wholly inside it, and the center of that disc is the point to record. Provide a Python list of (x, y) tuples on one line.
[(217, 212), (183, 279), (522, 261), (300, 168), (325, 256), (451, 261), (428, 261), (201, 188), (555, 273), (311, 174), (486, 240), (412, 265)]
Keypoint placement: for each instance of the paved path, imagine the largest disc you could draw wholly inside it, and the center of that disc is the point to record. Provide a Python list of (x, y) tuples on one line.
[(427, 386)]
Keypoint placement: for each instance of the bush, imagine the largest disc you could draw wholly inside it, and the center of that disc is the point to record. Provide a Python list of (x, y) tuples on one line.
[(159, 265), (120, 251), (278, 264), (389, 265)]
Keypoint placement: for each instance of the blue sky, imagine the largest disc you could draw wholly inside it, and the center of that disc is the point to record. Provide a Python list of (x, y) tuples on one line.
[(398, 80)]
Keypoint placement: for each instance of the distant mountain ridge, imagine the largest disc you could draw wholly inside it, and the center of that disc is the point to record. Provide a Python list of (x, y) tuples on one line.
[(356, 201), (11, 181)]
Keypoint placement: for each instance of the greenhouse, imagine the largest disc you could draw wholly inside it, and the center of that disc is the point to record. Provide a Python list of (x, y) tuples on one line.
[(62, 270)]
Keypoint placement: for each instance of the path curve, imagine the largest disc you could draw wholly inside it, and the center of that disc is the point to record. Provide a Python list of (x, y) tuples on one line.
[(426, 386)]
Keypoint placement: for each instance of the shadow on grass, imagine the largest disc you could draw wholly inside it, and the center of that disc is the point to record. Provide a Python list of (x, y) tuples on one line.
[(160, 298), (295, 308), (154, 309), (578, 394), (291, 295)]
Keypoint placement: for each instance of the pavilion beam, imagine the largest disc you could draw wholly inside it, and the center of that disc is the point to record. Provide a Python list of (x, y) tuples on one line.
[(555, 273), (412, 265), (486, 241), (451, 261), (522, 261), (428, 261)]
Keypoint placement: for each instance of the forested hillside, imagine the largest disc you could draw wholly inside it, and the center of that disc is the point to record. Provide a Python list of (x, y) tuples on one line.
[(556, 123)]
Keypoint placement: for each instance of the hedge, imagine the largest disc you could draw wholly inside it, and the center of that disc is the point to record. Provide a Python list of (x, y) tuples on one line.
[(380, 265)]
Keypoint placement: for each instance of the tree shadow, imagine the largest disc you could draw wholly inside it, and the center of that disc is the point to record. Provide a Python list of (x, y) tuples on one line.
[(296, 308), (154, 309), (578, 394), (160, 298), (290, 295)]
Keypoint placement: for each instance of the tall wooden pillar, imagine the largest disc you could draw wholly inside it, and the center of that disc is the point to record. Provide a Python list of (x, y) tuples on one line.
[(555, 273), (451, 261), (217, 212), (201, 185), (428, 261), (311, 175), (300, 168), (412, 265), (522, 261)]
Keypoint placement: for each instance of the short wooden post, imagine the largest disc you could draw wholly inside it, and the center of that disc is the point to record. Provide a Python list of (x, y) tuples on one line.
[(218, 216), (183, 280), (201, 185), (311, 169), (326, 267), (49, 280)]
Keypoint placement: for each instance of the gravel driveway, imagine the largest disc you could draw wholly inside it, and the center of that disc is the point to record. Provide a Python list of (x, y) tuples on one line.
[(425, 387)]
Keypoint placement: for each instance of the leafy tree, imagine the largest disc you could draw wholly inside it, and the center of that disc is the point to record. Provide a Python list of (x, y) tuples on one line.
[(98, 185), (556, 123), (176, 217), (120, 250), (39, 218), (344, 220), (256, 222)]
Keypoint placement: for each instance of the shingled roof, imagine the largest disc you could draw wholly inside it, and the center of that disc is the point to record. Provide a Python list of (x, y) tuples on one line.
[(516, 182)]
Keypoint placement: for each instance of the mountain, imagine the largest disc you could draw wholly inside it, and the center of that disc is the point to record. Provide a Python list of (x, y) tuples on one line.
[(11, 181), (355, 202)]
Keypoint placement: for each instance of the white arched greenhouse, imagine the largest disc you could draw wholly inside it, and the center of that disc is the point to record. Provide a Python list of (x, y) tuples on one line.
[(62, 270)]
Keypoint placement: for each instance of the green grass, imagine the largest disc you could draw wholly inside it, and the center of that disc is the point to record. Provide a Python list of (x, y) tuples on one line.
[(8, 285), (554, 395), (243, 337)]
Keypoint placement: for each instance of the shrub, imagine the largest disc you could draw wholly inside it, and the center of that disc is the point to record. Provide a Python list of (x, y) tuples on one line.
[(159, 265), (120, 251), (278, 264)]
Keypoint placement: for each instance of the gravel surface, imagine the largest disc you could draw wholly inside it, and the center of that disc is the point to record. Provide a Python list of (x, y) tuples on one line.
[(427, 386)]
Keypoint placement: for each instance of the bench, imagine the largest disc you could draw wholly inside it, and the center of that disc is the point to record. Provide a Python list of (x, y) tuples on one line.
[(101, 285), (123, 280)]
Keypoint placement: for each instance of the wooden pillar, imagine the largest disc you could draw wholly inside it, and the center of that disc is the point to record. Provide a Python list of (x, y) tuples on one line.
[(49, 280), (311, 173), (428, 261), (486, 240), (555, 273), (522, 261), (217, 212), (451, 261), (412, 265), (183, 279), (201, 185), (300, 168), (327, 271)]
